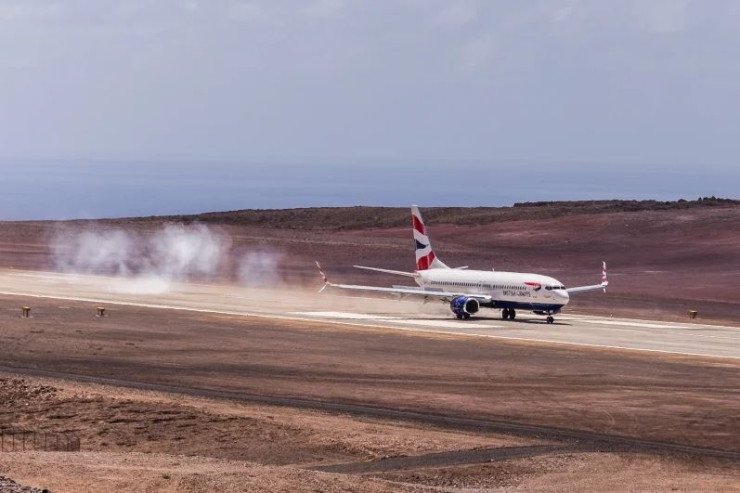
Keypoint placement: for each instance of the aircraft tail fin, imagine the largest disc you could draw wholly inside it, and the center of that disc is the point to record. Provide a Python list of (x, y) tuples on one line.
[(425, 257)]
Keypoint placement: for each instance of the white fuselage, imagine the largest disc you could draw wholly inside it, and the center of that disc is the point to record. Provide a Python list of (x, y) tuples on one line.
[(505, 288)]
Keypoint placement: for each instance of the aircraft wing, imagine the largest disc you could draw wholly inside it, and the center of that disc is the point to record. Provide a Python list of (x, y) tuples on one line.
[(583, 289), (594, 287), (403, 290), (410, 291)]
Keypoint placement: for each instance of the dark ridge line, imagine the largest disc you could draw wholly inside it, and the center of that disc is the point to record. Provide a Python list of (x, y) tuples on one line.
[(395, 216), (599, 441)]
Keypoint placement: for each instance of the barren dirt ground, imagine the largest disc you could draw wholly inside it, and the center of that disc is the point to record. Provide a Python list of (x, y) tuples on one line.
[(174, 401), (662, 262), (146, 441), (167, 400)]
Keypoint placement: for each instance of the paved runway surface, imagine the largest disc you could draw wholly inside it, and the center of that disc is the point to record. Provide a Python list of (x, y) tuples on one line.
[(297, 304)]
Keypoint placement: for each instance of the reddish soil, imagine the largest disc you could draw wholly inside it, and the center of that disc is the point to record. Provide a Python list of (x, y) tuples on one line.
[(663, 260), (236, 403), (173, 401)]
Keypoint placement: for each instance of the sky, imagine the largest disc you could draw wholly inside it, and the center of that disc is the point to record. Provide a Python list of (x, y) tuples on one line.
[(610, 84)]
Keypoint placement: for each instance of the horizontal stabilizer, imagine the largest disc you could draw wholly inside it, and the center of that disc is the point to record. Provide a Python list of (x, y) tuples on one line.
[(386, 271)]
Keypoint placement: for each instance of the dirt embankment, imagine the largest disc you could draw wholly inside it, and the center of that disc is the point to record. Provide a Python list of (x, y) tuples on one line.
[(148, 441)]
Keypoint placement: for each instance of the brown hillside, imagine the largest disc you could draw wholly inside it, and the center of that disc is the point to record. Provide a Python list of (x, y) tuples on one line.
[(664, 258)]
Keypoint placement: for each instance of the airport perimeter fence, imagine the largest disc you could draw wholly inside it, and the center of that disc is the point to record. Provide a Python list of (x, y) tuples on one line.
[(22, 441)]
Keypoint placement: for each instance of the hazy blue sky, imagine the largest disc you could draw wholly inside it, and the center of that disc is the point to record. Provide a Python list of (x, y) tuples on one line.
[(620, 82), (376, 102)]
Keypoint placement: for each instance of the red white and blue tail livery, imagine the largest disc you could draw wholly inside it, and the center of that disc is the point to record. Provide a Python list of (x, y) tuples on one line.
[(468, 290), (425, 257)]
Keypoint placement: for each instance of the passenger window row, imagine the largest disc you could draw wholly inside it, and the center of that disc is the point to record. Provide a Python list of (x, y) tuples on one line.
[(491, 286)]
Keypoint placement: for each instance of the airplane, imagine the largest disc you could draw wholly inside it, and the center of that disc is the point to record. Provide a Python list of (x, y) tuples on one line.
[(468, 290)]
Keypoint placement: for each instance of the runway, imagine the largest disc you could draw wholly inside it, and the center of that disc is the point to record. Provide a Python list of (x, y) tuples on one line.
[(306, 305)]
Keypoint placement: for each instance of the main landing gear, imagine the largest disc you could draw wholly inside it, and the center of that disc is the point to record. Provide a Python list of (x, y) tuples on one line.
[(550, 319), (508, 314)]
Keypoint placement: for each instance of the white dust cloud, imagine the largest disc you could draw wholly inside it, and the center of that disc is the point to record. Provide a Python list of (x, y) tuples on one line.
[(149, 262), (260, 268), (142, 262)]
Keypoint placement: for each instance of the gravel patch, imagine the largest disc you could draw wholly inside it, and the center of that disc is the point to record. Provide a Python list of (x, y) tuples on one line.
[(7, 485)]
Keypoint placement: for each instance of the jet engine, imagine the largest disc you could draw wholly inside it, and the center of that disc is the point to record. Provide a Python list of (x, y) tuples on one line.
[(464, 307)]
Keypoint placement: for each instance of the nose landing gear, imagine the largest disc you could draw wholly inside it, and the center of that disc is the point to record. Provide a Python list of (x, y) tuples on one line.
[(549, 314)]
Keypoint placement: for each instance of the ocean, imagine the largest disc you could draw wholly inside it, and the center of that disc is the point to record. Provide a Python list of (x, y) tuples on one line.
[(96, 189)]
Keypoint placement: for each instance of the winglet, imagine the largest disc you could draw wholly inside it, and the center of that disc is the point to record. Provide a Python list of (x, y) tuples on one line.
[(323, 277), (604, 280)]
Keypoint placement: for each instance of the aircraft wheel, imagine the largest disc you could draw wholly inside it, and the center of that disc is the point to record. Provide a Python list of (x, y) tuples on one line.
[(550, 319), (466, 316), (459, 317), (512, 314), (505, 313)]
